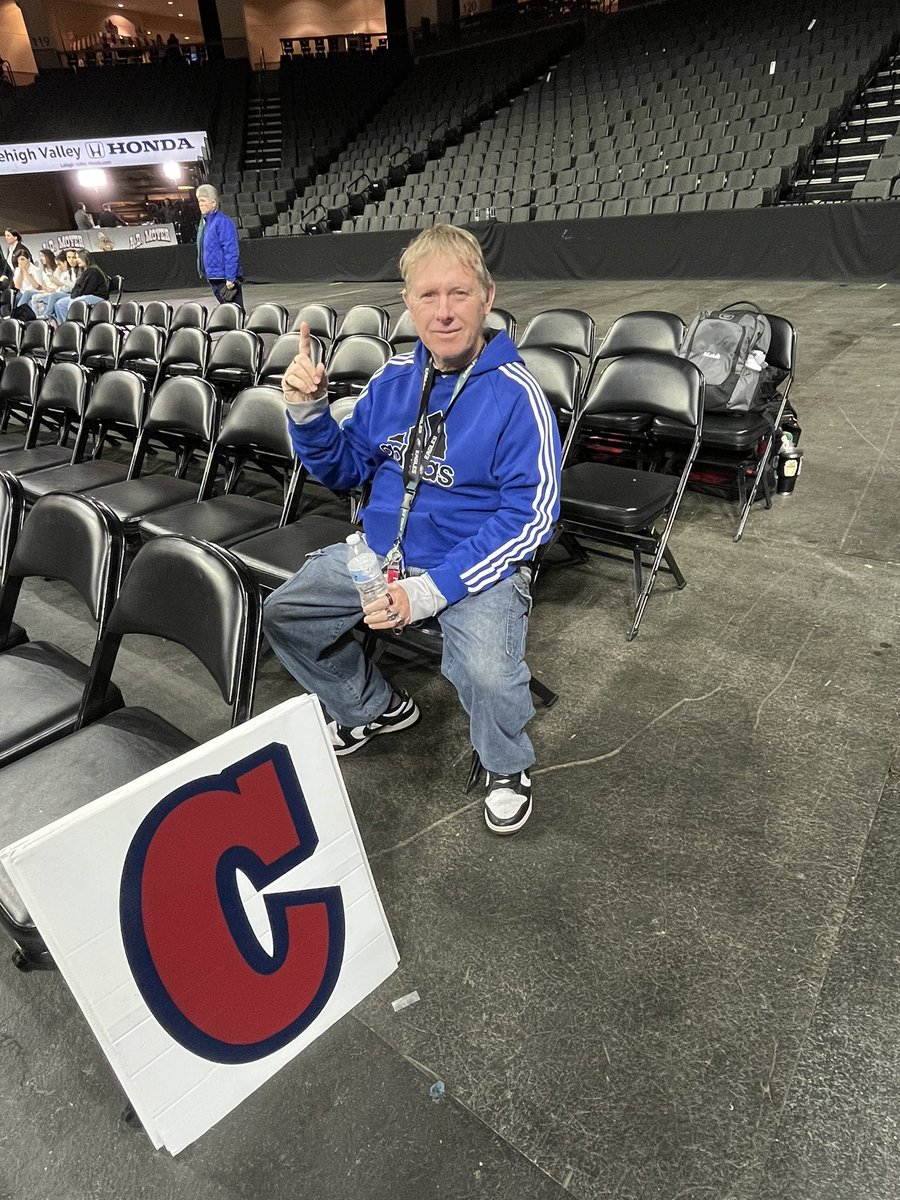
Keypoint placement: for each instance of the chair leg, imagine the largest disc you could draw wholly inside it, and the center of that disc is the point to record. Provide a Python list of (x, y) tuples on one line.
[(674, 568), (475, 769), (540, 690)]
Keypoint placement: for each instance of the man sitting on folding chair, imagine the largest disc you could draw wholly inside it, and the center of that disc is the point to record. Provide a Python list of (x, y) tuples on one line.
[(461, 454)]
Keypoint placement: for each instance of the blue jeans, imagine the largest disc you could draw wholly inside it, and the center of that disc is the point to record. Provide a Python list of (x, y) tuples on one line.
[(309, 622), (61, 307)]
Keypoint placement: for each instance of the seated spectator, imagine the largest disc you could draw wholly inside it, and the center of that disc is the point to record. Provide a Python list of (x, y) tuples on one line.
[(91, 285), (35, 280), (109, 219)]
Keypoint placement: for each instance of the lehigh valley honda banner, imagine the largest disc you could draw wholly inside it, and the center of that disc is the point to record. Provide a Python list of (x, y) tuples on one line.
[(24, 158)]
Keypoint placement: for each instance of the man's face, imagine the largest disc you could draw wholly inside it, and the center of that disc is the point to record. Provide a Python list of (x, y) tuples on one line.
[(206, 206), (448, 307)]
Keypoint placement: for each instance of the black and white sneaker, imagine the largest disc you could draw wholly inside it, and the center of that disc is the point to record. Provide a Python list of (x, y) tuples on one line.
[(401, 713), (507, 805)]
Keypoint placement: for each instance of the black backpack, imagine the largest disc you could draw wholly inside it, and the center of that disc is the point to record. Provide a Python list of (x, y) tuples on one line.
[(729, 346), (24, 312)]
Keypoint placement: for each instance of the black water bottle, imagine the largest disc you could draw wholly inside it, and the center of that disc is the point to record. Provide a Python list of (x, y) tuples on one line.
[(790, 460)]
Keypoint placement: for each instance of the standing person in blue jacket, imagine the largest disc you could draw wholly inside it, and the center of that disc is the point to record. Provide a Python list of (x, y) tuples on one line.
[(461, 415), (218, 259)]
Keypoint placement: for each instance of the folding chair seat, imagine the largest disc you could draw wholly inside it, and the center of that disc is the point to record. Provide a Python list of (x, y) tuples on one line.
[(750, 198), (370, 319), (128, 315), (623, 506), (19, 383), (615, 208), (275, 556), (35, 342), (158, 313), (665, 203), (738, 180), (719, 201), (182, 418), (72, 540), (561, 328), (142, 351), (353, 361), (193, 594), (284, 350), (234, 362), (223, 319), (254, 433), (66, 343), (59, 405), (744, 442), (102, 345), (117, 402), (186, 353), (191, 314)]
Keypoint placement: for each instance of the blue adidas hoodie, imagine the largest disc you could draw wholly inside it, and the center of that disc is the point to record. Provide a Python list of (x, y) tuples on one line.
[(490, 495)]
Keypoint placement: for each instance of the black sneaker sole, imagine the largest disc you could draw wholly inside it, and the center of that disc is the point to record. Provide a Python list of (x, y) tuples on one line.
[(506, 827), (407, 723)]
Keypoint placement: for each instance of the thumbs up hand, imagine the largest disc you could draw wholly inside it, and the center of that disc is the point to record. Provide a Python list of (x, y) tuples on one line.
[(302, 381)]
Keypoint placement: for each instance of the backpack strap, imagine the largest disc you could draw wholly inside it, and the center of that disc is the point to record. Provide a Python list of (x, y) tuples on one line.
[(741, 304)]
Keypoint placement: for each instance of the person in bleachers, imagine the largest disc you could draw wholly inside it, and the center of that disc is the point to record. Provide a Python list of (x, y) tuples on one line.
[(109, 219), (218, 257), (65, 277), (458, 436), (83, 219), (91, 284), (13, 248), (35, 280)]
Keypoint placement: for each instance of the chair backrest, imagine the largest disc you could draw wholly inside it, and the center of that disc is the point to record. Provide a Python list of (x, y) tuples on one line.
[(186, 353), (283, 351), (10, 336), (79, 310), (36, 340), (236, 350), (364, 318), (19, 382), (103, 310), (355, 359), (159, 313), (403, 335), (144, 343), (12, 513), (256, 420), (191, 314), (72, 538), (782, 352), (500, 319), (129, 313), (64, 390), (321, 319), (267, 318), (225, 317), (559, 374), (563, 328), (197, 595), (104, 339), (117, 397), (116, 287), (66, 343), (187, 411), (643, 330), (662, 385)]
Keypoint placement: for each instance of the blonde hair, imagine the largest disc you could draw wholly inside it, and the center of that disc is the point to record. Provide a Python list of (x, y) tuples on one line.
[(451, 241)]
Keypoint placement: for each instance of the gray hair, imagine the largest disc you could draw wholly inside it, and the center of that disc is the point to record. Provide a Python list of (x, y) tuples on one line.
[(454, 243), (206, 191)]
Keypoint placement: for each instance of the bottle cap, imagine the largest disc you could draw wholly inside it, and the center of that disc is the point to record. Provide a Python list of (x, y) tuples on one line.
[(353, 539)]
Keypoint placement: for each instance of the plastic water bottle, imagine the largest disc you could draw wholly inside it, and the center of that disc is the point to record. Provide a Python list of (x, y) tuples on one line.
[(365, 570)]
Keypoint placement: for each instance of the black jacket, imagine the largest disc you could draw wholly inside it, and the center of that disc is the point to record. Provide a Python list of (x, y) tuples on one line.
[(11, 259), (91, 282)]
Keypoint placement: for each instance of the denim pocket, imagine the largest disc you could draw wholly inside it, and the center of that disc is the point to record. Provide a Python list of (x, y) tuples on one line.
[(517, 614)]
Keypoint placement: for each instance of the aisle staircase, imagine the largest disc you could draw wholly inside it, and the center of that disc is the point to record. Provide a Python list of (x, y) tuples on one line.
[(845, 157), (262, 140)]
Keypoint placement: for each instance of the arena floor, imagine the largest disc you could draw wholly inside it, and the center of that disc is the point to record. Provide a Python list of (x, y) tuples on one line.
[(680, 979)]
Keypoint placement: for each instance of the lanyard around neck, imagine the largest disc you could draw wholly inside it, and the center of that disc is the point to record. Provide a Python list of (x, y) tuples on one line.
[(420, 453)]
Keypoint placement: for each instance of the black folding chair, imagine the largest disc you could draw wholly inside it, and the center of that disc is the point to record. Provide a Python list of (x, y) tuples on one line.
[(630, 507), (188, 592)]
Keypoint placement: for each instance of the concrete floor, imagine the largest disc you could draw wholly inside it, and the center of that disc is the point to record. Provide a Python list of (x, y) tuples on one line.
[(680, 979)]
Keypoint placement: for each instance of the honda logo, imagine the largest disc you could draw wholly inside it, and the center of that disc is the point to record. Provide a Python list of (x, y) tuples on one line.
[(96, 150)]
